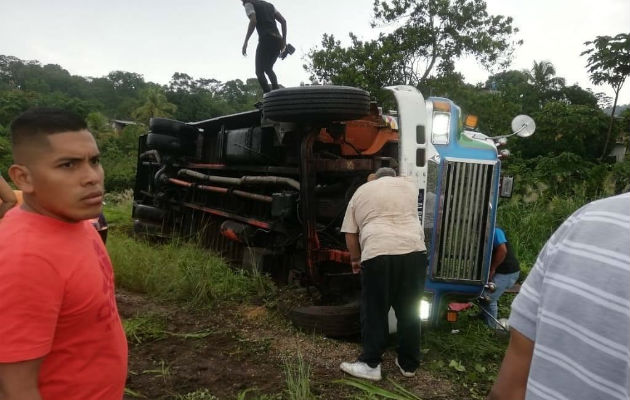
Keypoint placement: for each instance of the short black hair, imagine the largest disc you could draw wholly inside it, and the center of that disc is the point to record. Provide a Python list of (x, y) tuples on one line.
[(43, 121)]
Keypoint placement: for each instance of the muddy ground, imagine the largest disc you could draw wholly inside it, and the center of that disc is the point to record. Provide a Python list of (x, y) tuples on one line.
[(239, 347)]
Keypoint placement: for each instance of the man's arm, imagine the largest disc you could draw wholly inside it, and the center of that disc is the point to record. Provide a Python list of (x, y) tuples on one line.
[(352, 241), (512, 380), (283, 23), (498, 256), (18, 381), (250, 30)]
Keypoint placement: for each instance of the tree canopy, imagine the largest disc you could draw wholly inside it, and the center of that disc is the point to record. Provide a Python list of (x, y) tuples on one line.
[(609, 63), (429, 36)]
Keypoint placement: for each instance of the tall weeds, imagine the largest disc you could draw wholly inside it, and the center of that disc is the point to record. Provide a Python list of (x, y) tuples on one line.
[(529, 225), (298, 378), (180, 271)]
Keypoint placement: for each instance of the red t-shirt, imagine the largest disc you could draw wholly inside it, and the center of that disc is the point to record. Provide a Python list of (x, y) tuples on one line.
[(57, 302)]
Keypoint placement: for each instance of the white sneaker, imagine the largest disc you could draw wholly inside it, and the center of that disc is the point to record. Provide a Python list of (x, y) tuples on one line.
[(404, 373), (362, 370)]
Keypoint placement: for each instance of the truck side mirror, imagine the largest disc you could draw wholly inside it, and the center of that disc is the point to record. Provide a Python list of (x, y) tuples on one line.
[(523, 126)]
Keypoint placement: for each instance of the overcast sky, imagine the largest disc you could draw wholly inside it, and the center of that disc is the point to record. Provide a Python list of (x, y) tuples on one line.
[(156, 38)]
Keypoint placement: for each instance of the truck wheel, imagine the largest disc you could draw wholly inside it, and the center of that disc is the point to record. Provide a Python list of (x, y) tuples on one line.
[(334, 321), (165, 143), (172, 127), (143, 212), (316, 104)]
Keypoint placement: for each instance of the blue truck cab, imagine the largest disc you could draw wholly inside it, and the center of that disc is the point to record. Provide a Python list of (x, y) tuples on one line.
[(457, 170)]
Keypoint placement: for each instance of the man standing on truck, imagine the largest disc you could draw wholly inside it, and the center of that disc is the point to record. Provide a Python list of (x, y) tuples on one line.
[(386, 244), (61, 337), (263, 16)]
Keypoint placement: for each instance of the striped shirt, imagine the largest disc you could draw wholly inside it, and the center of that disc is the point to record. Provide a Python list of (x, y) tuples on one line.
[(575, 306)]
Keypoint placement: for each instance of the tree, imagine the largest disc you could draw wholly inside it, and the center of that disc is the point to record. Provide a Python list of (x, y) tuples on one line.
[(155, 105), (430, 35), (609, 62), (576, 95), (562, 127), (98, 123), (543, 77), (514, 88)]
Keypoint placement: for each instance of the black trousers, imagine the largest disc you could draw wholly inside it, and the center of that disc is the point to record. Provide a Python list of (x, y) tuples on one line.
[(267, 53), (392, 281)]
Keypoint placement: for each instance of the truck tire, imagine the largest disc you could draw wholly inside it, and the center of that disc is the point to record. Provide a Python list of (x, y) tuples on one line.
[(172, 127), (316, 104), (333, 321), (149, 213), (164, 143)]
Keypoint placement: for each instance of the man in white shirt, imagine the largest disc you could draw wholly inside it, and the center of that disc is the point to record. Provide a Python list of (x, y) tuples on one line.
[(386, 244)]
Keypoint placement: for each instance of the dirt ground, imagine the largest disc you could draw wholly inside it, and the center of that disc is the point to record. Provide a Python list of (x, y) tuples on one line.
[(240, 347)]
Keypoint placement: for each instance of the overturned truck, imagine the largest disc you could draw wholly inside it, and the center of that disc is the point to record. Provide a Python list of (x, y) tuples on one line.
[(268, 189)]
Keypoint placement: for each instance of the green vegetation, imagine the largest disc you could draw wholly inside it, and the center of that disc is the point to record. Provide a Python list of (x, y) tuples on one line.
[(412, 51), (202, 394), (143, 328), (180, 272), (176, 271), (373, 391), (609, 62), (467, 352), (298, 378)]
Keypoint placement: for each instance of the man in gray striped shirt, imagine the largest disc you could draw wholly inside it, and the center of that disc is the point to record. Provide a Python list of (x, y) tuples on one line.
[(570, 337)]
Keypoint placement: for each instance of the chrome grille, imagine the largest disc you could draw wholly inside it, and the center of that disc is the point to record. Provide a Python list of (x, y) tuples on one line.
[(463, 220)]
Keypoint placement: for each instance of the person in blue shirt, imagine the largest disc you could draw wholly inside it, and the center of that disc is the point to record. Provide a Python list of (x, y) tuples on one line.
[(504, 271)]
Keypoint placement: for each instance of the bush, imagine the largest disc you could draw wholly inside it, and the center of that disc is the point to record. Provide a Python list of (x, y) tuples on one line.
[(529, 225)]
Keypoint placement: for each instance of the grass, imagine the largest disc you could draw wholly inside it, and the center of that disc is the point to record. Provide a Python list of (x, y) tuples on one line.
[(117, 210), (372, 391), (201, 394), (145, 328), (297, 374), (178, 270), (529, 225), (252, 394), (466, 352), (161, 369)]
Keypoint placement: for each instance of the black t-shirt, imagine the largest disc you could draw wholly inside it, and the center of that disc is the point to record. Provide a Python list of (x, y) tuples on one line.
[(510, 264), (265, 19)]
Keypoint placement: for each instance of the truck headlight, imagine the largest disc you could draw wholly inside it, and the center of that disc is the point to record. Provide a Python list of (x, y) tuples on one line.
[(425, 310), (440, 127)]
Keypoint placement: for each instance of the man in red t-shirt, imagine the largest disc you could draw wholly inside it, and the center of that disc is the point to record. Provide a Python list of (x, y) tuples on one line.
[(60, 333)]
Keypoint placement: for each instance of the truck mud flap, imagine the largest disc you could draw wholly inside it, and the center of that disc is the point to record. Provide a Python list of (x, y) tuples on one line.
[(316, 104), (333, 321)]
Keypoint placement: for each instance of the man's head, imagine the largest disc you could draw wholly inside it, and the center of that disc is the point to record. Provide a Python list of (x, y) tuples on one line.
[(57, 165), (384, 171)]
